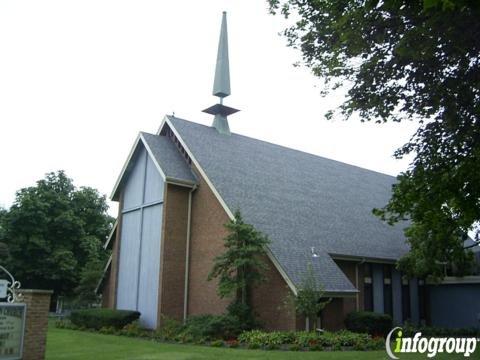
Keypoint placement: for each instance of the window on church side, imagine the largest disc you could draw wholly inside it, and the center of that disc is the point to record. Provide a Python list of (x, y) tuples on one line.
[(387, 290), (367, 288)]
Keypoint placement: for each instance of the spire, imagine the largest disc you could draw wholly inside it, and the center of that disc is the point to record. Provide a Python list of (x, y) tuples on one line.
[(221, 83)]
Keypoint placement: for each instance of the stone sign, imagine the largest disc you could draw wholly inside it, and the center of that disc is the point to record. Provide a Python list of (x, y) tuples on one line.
[(12, 327)]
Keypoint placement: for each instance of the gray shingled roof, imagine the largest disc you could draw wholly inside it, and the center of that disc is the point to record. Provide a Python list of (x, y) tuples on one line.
[(299, 200), (169, 158), (166, 155)]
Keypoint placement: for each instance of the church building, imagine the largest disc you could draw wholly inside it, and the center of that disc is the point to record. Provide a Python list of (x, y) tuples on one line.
[(180, 185)]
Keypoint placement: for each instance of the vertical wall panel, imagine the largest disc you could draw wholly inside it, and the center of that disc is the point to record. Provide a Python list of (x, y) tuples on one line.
[(455, 305), (377, 279), (139, 267), (133, 191), (153, 184), (397, 296), (414, 305), (150, 266), (128, 265)]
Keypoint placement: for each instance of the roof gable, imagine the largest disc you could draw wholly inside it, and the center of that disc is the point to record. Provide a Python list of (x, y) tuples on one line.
[(166, 157), (299, 200)]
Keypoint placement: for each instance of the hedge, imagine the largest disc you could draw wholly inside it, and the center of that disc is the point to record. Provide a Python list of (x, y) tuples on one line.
[(256, 339), (100, 318), (369, 322)]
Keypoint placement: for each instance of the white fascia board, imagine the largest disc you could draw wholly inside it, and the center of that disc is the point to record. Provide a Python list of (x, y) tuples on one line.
[(150, 153), (362, 259), (157, 165), (162, 124), (124, 168), (109, 238), (277, 265), (109, 262), (199, 168)]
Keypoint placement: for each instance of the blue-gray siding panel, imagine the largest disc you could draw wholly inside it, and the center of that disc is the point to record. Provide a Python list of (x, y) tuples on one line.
[(133, 193), (153, 183), (414, 303), (150, 266), (139, 267), (455, 306), (377, 279), (129, 255), (397, 296)]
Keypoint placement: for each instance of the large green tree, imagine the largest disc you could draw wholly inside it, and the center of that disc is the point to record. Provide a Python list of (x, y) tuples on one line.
[(242, 265), (54, 233), (408, 60)]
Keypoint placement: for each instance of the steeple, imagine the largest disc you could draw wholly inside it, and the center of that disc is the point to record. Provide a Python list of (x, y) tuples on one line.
[(221, 83)]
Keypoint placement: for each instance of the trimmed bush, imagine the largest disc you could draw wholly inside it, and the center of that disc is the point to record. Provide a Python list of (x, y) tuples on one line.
[(98, 318), (216, 343), (368, 322), (212, 327), (170, 328), (262, 338), (309, 340)]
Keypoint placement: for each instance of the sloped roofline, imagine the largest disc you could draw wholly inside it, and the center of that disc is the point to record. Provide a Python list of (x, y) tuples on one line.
[(105, 270), (270, 255), (109, 238), (115, 192)]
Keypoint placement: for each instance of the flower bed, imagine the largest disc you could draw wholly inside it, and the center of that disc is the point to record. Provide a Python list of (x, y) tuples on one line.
[(254, 339), (302, 340)]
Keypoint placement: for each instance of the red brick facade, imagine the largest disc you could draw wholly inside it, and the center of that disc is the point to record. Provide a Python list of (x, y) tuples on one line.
[(270, 301), (36, 323), (173, 252), (207, 231), (206, 242)]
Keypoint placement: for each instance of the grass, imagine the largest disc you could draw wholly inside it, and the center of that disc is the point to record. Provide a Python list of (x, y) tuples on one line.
[(80, 345)]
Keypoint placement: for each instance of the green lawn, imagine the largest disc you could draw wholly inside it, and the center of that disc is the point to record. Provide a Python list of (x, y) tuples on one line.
[(80, 345)]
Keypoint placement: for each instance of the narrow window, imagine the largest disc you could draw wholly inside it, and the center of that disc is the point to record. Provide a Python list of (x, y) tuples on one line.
[(405, 300), (387, 290), (367, 288), (422, 299)]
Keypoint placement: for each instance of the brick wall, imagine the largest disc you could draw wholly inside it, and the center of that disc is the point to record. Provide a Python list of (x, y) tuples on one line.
[(36, 323), (333, 316), (270, 301), (206, 242), (174, 236)]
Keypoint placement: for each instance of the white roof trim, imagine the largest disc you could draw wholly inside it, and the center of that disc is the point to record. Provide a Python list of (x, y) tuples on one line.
[(157, 165), (109, 238), (103, 274), (362, 259), (124, 168), (162, 124), (277, 265), (197, 165)]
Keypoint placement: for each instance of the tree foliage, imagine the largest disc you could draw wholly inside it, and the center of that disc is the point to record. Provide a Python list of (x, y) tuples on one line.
[(308, 301), (54, 233), (241, 266), (408, 60)]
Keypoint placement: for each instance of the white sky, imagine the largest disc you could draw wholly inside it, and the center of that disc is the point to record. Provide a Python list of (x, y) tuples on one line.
[(79, 79)]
